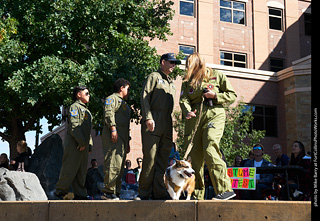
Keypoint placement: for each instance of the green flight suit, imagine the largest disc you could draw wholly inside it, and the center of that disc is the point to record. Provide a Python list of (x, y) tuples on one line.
[(74, 162), (157, 101), (116, 113), (209, 132)]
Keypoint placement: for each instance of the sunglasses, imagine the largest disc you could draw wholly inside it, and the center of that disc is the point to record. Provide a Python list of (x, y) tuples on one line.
[(87, 94), (257, 148)]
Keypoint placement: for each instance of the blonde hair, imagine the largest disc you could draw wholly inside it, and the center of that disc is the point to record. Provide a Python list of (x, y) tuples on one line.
[(196, 70), (23, 145)]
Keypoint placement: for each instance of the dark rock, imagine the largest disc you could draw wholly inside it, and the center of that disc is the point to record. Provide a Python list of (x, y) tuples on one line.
[(46, 163)]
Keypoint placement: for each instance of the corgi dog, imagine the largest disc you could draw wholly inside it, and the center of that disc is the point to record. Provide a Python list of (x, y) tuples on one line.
[(180, 177)]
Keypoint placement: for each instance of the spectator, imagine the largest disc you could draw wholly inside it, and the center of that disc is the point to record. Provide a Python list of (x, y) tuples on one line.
[(137, 170), (263, 181), (299, 181), (93, 178), (21, 162), (282, 159), (4, 161), (237, 161), (250, 157), (128, 174)]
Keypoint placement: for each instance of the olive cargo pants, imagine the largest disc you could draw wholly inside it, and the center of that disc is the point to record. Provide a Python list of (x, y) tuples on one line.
[(206, 149), (156, 150)]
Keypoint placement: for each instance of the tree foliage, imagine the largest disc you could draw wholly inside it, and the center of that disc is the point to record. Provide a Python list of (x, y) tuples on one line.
[(49, 46), (238, 137)]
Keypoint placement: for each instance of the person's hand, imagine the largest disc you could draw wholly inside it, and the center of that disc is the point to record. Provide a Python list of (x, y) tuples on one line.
[(191, 114), (81, 148), (12, 162), (114, 136), (150, 125), (210, 94)]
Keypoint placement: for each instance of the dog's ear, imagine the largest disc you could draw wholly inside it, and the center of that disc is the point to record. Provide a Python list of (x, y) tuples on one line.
[(177, 161), (189, 159)]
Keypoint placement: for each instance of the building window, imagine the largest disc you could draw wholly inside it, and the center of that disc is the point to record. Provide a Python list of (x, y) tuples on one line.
[(233, 12), (264, 118), (233, 59), (187, 50), (275, 19), (276, 64), (307, 24), (187, 7)]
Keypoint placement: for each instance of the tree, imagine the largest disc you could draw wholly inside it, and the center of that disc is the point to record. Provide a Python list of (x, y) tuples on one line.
[(49, 46), (237, 139)]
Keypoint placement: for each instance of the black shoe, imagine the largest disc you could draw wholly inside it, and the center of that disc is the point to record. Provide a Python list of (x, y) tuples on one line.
[(58, 196), (80, 198), (167, 197), (224, 196), (109, 196)]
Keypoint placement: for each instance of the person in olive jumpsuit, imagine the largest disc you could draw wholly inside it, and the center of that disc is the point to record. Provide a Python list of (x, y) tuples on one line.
[(76, 146), (157, 101), (115, 138), (213, 88)]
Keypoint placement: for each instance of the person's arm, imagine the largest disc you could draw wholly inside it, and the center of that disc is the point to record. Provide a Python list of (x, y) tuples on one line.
[(76, 120), (110, 108), (185, 103), (226, 93), (146, 94)]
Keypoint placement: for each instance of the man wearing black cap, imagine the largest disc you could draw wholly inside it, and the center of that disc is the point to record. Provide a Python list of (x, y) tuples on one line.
[(157, 101)]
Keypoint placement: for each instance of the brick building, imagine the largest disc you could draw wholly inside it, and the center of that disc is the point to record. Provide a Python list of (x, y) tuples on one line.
[(264, 47)]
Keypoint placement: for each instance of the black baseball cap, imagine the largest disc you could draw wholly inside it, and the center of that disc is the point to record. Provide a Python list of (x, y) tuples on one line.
[(169, 57)]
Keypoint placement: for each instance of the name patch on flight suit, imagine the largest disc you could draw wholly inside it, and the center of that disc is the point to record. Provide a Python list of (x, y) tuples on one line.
[(160, 81)]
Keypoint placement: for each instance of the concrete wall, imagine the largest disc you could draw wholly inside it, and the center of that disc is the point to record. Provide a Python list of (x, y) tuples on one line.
[(156, 210)]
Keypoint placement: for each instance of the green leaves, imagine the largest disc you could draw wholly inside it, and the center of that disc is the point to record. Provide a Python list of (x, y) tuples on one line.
[(49, 46), (238, 138)]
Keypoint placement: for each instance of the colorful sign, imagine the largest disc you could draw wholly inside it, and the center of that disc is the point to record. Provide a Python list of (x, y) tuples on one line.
[(242, 177)]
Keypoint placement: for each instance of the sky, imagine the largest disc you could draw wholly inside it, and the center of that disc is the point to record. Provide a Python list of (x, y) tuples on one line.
[(30, 138)]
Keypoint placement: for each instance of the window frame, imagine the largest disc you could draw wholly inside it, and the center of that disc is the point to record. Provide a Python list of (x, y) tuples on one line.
[(270, 16), (232, 59), (265, 118), (189, 46), (232, 9), (193, 7), (274, 67)]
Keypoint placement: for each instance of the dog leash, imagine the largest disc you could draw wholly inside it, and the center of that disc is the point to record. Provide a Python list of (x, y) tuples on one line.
[(192, 137)]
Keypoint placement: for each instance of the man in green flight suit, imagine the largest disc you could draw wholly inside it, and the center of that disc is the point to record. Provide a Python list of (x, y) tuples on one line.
[(157, 101), (76, 147), (115, 138)]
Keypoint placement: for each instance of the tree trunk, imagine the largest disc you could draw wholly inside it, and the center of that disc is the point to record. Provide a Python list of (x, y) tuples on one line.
[(17, 134)]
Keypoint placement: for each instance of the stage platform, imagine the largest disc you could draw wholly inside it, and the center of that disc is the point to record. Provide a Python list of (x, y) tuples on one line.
[(155, 210)]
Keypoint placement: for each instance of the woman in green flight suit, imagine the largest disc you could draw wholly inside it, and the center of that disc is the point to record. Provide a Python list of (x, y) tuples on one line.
[(202, 84)]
